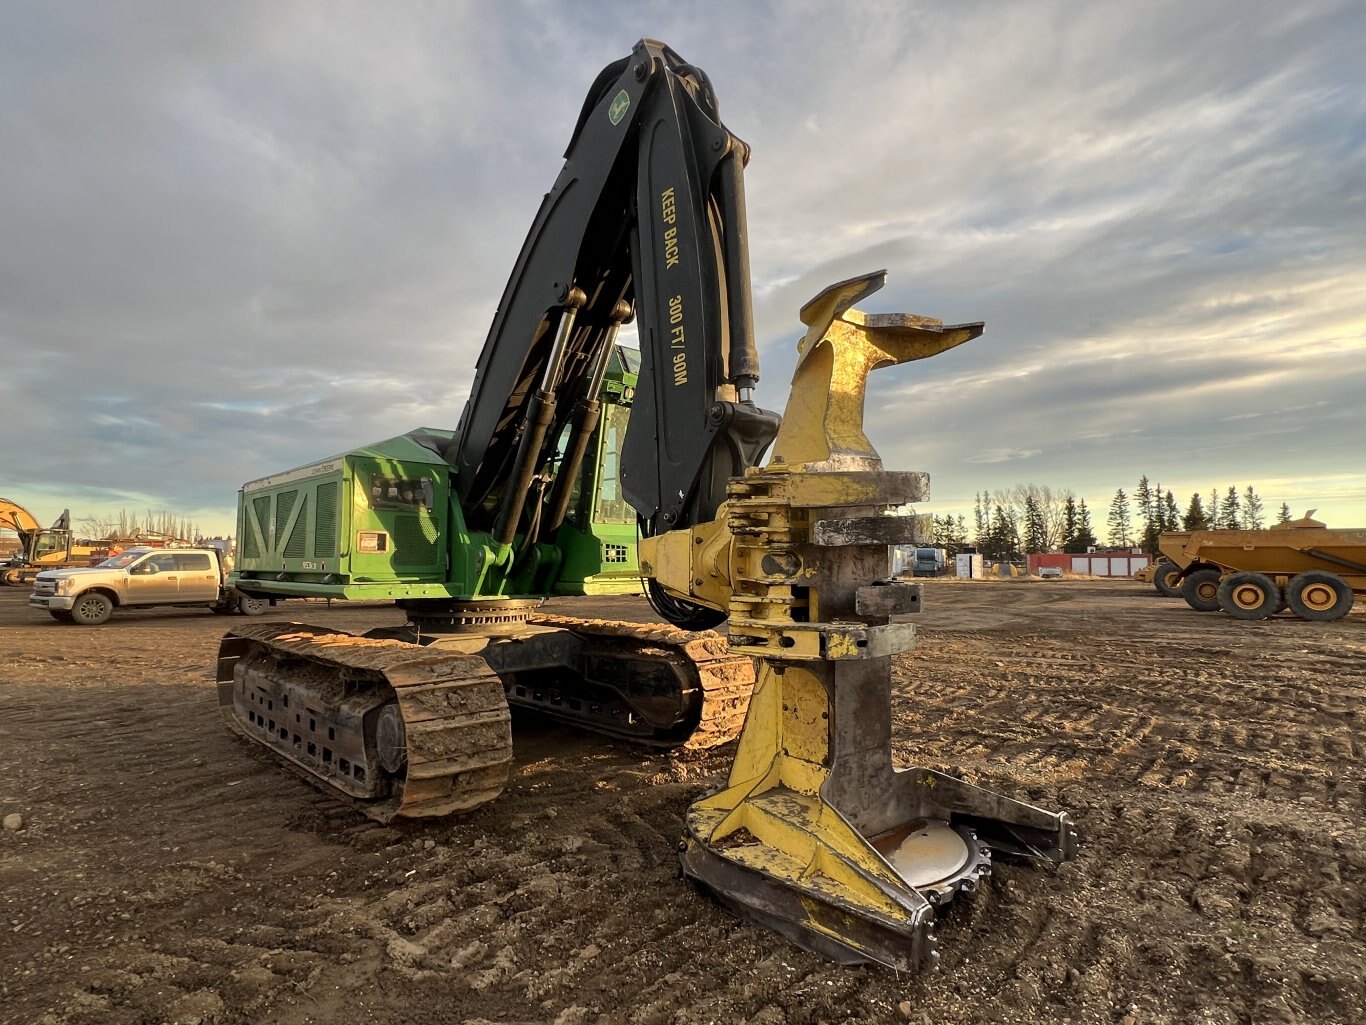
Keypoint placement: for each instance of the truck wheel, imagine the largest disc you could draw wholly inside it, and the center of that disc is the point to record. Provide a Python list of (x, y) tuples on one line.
[(60, 615), (11, 578), (252, 606), (91, 609), (1164, 579), (1249, 596), (223, 608), (1319, 597), (1201, 590)]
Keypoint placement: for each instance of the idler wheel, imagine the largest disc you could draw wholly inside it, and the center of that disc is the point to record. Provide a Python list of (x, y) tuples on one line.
[(391, 739)]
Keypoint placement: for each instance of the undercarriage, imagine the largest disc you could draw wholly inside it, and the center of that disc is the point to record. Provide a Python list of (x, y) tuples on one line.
[(414, 722)]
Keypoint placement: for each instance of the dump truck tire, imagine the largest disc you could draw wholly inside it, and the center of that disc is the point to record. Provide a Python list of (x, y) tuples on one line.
[(1201, 590), (1319, 597), (92, 609), (1250, 596), (1164, 579)]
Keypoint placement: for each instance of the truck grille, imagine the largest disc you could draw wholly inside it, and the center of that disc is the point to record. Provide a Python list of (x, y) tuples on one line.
[(47, 587)]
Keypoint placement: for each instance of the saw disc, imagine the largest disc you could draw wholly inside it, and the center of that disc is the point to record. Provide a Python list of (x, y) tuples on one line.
[(925, 853)]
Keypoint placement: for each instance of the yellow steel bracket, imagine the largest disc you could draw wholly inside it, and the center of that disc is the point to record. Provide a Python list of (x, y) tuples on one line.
[(823, 424), (815, 833), (822, 427)]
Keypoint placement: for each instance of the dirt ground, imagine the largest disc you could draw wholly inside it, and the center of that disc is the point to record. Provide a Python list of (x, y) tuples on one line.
[(168, 872)]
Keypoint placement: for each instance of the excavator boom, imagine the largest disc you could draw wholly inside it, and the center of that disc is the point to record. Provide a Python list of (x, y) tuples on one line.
[(15, 517)]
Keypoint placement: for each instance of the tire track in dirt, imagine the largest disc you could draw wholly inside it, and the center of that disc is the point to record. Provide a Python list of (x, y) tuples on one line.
[(1177, 739)]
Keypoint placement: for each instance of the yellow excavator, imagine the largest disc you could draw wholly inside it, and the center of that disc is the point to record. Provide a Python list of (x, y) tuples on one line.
[(54, 547), (815, 833)]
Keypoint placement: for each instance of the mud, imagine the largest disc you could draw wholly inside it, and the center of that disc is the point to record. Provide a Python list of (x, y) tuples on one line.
[(168, 872)]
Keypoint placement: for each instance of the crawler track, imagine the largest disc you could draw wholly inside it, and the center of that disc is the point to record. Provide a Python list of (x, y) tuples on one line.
[(314, 696), (716, 684), (329, 702)]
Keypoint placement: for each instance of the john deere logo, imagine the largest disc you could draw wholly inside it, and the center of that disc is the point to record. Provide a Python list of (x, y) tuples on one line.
[(617, 110)]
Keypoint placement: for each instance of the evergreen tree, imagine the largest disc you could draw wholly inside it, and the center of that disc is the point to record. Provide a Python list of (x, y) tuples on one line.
[(1212, 510), (981, 520), (1119, 520), (1036, 529), (1143, 500), (1171, 519), (1284, 515), (1152, 519), (950, 534), (1231, 514), (1004, 539), (1195, 518), (1085, 538), (1253, 514), (1069, 525), (1000, 541)]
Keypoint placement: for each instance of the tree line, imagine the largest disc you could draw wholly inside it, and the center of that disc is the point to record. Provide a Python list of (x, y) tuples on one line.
[(128, 526), (1157, 512), (1010, 523)]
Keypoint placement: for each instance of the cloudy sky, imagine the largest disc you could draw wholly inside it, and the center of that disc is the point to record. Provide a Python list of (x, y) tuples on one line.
[(239, 237)]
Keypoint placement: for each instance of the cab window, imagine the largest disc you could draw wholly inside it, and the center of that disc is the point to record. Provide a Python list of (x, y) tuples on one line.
[(192, 561), (155, 564)]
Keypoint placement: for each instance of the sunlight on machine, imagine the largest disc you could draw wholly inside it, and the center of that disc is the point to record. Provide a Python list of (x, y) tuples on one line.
[(816, 834)]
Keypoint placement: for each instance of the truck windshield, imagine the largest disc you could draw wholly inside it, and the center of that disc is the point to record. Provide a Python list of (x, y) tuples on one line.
[(122, 561)]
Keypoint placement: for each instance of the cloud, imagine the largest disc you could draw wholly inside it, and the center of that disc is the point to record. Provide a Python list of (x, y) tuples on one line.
[(1003, 455), (241, 243)]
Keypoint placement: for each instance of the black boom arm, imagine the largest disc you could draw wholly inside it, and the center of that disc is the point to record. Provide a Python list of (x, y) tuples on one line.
[(647, 218)]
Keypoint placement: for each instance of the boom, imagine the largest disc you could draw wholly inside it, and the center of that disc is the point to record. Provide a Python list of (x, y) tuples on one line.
[(646, 219), (15, 517)]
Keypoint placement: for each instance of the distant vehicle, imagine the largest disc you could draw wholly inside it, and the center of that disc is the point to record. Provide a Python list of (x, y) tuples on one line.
[(140, 578), (1316, 572), (928, 562), (1051, 571)]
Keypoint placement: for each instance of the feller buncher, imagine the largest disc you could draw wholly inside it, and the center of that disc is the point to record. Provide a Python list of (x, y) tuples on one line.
[(815, 834), (1316, 572)]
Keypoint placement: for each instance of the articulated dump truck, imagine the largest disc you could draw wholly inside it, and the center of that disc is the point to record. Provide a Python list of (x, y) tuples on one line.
[(1316, 572)]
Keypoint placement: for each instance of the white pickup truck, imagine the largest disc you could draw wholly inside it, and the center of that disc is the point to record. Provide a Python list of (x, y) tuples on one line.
[(138, 578)]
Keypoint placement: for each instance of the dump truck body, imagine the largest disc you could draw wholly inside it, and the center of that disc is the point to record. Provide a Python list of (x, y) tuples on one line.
[(1283, 552), (1171, 545), (1315, 571)]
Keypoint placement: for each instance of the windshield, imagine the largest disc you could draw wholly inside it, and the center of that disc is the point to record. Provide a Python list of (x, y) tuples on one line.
[(122, 561)]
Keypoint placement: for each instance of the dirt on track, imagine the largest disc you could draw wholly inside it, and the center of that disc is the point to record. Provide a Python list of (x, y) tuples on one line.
[(169, 872)]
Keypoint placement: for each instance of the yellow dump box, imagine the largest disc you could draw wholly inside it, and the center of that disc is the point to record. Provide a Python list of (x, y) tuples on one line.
[(1304, 566)]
